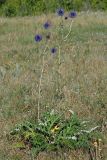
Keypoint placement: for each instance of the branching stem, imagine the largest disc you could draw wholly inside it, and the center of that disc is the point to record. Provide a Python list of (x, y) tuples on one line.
[(65, 38)]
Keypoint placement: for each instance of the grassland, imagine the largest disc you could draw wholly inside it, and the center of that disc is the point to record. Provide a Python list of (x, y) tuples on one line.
[(78, 83)]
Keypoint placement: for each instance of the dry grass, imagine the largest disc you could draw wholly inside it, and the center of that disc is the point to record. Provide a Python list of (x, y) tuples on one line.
[(82, 83)]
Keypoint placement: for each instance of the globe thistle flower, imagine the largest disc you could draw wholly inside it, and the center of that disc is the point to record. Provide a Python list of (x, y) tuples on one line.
[(46, 25), (38, 38), (60, 12), (53, 50), (72, 14)]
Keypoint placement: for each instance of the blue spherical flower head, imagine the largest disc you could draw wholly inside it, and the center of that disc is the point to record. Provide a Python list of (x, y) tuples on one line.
[(53, 50), (46, 25), (72, 14), (60, 12), (38, 38)]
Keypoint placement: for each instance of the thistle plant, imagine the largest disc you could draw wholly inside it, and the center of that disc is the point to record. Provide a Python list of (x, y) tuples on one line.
[(53, 131), (55, 49)]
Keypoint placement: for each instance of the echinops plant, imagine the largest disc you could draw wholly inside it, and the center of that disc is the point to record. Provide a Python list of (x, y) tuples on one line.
[(52, 131)]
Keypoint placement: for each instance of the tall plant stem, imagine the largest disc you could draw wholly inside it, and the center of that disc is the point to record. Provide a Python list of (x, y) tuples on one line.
[(40, 82)]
